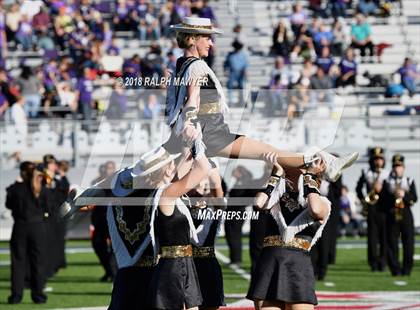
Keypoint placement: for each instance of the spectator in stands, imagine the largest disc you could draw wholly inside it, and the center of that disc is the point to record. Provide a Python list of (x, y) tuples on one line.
[(277, 97), (84, 97), (17, 116), (325, 60), (348, 69), (303, 44), (338, 7), (170, 62), (339, 38), (153, 62), (361, 36), (409, 75), (317, 7), (67, 96), (8, 87), (131, 67), (308, 69), (348, 216), (205, 11), (152, 110), (281, 44), (183, 8), (149, 27), (168, 16), (117, 103), (299, 98), (322, 38), (31, 87), (113, 49), (4, 105), (13, 18), (63, 25), (121, 20), (367, 7), (236, 64), (238, 35), (288, 76), (24, 35), (3, 39), (41, 20), (298, 18), (321, 84)]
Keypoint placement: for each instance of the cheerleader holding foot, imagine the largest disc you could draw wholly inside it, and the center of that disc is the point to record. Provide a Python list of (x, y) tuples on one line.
[(197, 96), (175, 283), (296, 215)]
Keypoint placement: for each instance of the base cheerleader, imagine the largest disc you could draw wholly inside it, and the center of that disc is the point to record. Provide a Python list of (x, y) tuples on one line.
[(296, 215)]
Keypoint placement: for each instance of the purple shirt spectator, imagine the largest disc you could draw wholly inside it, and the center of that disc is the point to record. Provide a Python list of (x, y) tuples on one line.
[(131, 68), (348, 66), (325, 63), (113, 50), (85, 88), (408, 72)]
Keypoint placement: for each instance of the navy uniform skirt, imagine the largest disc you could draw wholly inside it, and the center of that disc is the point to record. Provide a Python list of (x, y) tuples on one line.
[(283, 274), (175, 283), (216, 135), (130, 289), (211, 281)]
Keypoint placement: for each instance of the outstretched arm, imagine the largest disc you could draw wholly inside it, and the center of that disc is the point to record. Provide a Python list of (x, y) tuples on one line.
[(317, 207), (199, 170)]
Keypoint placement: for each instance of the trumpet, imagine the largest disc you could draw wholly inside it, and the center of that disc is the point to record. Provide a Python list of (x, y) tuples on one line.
[(399, 202), (372, 197)]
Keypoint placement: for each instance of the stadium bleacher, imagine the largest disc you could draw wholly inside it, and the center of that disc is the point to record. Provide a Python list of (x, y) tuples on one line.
[(362, 123)]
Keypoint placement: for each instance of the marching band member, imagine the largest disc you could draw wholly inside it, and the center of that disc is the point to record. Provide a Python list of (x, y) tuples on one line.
[(371, 180), (398, 196), (296, 216)]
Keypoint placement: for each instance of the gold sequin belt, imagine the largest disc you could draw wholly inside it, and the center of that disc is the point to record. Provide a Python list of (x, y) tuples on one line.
[(296, 242), (176, 251), (209, 108), (146, 261), (203, 252)]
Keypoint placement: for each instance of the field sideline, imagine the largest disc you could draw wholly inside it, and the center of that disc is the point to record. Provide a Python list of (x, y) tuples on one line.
[(78, 285)]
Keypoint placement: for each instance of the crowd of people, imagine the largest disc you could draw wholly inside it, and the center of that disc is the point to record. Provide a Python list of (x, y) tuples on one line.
[(329, 55), (78, 44), (37, 243)]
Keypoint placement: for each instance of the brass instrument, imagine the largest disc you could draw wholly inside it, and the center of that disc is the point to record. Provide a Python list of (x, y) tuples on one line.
[(399, 202), (47, 177), (372, 197)]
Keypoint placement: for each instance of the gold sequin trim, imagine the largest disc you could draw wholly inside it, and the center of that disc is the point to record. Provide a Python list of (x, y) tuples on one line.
[(146, 261), (276, 241), (203, 252), (176, 251), (197, 27), (133, 235), (209, 108)]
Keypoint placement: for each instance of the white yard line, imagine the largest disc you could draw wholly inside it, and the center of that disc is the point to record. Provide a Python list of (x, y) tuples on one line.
[(234, 267)]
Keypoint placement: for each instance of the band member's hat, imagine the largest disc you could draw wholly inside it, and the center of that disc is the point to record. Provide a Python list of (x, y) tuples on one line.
[(376, 152), (196, 25), (122, 183), (397, 160)]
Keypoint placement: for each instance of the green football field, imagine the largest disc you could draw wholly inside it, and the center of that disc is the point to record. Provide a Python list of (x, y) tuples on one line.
[(78, 285)]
